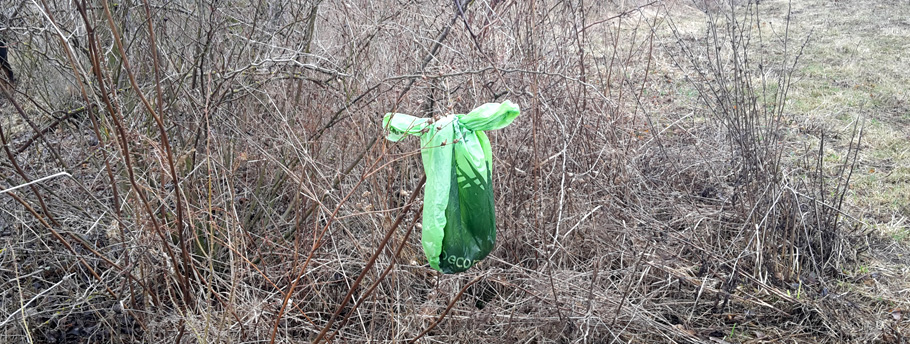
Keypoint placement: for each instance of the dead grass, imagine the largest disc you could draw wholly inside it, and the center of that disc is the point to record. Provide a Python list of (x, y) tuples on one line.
[(624, 213)]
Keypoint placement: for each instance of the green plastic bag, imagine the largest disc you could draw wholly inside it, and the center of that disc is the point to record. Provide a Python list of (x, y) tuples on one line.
[(459, 222)]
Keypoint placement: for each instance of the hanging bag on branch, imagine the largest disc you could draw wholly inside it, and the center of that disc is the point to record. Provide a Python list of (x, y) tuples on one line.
[(459, 222)]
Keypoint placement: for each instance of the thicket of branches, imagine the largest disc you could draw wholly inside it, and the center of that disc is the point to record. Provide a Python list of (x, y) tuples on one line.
[(226, 179)]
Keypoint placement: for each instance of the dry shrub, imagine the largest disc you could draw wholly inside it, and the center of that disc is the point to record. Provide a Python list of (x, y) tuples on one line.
[(230, 182)]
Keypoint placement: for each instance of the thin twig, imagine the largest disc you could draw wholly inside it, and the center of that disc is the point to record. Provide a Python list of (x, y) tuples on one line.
[(446, 311)]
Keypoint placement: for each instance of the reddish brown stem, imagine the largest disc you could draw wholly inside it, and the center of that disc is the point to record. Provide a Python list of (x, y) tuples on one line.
[(385, 240)]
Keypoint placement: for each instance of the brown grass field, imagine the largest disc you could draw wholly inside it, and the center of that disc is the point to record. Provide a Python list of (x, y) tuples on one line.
[(683, 171)]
